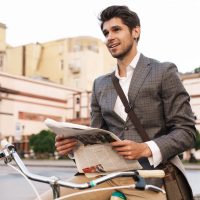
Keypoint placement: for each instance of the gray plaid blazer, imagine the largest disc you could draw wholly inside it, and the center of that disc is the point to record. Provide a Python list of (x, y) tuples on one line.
[(159, 100)]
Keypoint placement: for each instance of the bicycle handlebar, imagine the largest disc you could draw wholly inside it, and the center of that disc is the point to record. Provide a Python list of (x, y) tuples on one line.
[(9, 153)]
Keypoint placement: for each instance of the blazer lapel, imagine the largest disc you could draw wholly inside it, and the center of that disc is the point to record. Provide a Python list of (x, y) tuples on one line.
[(140, 73), (113, 95)]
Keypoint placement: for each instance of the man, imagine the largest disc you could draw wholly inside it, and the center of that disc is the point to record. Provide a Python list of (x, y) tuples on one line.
[(157, 96)]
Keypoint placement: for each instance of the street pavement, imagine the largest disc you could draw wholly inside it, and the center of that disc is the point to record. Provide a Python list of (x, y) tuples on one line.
[(67, 163)]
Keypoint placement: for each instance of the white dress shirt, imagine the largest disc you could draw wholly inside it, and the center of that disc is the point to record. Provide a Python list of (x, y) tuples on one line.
[(125, 83)]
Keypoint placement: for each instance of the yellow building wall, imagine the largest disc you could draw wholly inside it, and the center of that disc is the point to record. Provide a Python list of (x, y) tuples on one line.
[(32, 59), (93, 59), (2, 37), (14, 61), (51, 64), (73, 62)]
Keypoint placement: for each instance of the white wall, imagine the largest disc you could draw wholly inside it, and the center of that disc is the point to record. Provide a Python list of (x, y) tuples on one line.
[(35, 98)]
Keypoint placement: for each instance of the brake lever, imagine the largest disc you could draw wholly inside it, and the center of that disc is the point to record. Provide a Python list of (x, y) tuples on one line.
[(7, 151), (2, 155)]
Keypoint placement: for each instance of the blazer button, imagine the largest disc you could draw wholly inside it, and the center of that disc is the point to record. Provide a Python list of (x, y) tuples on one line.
[(125, 128)]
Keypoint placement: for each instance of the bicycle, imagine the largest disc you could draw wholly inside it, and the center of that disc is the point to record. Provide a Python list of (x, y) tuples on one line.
[(9, 153)]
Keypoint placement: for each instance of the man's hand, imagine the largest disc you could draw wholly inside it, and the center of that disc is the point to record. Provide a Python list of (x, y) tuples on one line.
[(131, 150), (64, 145)]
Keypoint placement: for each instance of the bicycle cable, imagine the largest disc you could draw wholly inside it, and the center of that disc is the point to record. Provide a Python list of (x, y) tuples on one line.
[(132, 186), (95, 190), (33, 187)]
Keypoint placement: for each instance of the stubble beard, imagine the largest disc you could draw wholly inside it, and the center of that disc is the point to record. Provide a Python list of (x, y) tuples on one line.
[(122, 54)]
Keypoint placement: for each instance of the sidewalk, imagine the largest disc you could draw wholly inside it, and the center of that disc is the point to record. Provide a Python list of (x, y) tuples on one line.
[(46, 163), (70, 163), (50, 163)]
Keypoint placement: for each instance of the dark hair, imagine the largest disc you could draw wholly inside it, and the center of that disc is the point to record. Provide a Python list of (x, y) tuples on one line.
[(127, 16)]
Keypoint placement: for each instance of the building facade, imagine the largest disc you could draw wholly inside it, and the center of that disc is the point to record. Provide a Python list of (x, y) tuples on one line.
[(192, 85), (25, 104)]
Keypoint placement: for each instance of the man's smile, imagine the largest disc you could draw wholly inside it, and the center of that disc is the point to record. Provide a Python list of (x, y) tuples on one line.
[(111, 46)]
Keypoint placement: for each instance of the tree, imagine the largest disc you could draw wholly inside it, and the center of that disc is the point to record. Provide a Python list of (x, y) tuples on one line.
[(43, 143), (197, 70)]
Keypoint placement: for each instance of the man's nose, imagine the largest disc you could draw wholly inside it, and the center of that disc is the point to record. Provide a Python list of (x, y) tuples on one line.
[(110, 36)]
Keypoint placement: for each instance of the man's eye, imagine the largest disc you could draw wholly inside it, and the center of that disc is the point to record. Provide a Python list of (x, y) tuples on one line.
[(116, 29), (105, 33)]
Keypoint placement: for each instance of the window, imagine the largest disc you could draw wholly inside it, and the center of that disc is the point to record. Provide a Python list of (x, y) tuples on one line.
[(36, 116), (61, 64), (75, 66), (61, 81), (93, 47), (60, 50), (77, 47), (77, 114), (1, 60), (77, 100)]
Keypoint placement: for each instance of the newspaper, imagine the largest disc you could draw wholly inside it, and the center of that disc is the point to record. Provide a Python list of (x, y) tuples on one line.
[(94, 154)]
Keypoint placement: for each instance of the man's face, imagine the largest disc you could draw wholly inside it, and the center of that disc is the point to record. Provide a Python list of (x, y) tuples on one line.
[(119, 39)]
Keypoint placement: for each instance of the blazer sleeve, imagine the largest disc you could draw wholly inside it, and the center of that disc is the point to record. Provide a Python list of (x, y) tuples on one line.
[(178, 116), (97, 120)]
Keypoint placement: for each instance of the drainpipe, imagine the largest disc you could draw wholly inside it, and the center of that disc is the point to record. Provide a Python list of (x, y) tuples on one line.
[(24, 60)]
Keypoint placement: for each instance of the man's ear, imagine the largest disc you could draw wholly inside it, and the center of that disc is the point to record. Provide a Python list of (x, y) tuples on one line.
[(136, 32)]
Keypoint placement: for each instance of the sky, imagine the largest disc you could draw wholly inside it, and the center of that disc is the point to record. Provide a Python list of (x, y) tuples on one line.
[(170, 29)]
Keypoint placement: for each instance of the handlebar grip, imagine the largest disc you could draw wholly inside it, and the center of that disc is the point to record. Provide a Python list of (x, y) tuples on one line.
[(151, 173)]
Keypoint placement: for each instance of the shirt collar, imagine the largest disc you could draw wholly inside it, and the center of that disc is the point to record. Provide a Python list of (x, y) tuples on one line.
[(130, 67)]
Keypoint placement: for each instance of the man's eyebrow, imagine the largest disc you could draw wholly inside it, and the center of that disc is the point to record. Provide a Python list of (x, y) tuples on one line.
[(113, 27)]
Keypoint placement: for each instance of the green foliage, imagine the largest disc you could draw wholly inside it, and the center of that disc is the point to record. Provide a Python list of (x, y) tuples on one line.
[(197, 70), (197, 144), (44, 142)]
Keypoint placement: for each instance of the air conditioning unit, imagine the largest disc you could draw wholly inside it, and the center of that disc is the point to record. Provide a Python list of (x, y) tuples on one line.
[(75, 66)]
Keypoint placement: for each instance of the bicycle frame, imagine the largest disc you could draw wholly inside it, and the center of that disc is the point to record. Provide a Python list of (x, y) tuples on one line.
[(9, 153)]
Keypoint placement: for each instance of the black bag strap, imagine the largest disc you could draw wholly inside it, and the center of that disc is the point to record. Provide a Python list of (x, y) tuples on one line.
[(129, 109)]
